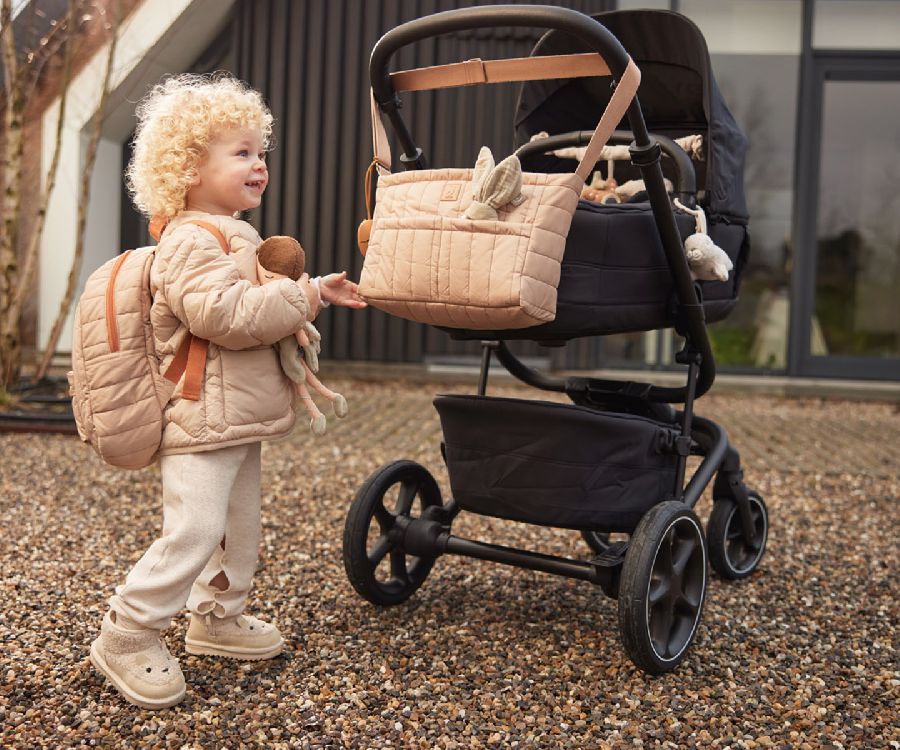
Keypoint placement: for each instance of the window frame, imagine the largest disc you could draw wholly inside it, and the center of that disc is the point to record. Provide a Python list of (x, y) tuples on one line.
[(823, 66)]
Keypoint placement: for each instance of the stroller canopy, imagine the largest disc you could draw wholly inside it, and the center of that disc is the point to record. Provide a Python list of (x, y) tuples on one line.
[(678, 96)]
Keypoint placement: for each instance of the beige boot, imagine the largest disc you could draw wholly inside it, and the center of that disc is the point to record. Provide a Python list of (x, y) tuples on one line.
[(239, 637), (138, 664)]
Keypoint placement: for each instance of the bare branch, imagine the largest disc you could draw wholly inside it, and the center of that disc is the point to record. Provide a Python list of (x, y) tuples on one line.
[(8, 41), (10, 77), (66, 304), (29, 265), (13, 142), (63, 34)]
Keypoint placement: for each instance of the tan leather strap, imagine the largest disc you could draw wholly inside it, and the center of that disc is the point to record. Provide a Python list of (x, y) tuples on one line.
[(494, 71), (157, 226), (214, 231), (367, 185), (190, 357), (178, 364), (196, 367), (500, 71), (380, 143), (626, 88), (112, 325)]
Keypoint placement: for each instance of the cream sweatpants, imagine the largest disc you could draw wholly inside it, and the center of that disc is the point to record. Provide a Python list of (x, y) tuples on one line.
[(211, 525)]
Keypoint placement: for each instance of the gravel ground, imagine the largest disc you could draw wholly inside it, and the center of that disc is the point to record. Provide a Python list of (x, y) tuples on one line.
[(801, 655)]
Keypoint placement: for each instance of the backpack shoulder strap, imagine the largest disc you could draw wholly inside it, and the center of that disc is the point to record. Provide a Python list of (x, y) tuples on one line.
[(215, 232), (190, 357)]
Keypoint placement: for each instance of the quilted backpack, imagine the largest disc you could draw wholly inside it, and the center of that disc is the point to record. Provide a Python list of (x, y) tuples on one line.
[(118, 392)]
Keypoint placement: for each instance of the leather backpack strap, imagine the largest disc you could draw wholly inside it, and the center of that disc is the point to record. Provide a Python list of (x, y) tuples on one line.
[(215, 232), (178, 364), (112, 325), (196, 367), (190, 357)]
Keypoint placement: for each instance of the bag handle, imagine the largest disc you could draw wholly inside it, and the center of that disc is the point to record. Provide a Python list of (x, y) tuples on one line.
[(516, 69), (190, 357)]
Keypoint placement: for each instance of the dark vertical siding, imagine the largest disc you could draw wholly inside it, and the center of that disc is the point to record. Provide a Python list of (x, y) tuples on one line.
[(310, 60)]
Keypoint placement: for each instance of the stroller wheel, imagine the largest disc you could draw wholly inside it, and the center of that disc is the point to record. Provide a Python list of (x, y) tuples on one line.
[(599, 541), (662, 587), (729, 553), (376, 563)]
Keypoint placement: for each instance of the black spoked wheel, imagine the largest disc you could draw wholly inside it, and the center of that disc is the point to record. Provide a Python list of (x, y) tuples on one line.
[(730, 554), (599, 541), (662, 587), (376, 563)]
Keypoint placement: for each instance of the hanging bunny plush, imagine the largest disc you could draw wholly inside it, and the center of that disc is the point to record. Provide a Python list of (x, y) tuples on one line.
[(708, 261), (494, 186)]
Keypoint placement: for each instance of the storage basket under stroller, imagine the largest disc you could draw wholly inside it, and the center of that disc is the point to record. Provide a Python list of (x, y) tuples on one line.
[(555, 464)]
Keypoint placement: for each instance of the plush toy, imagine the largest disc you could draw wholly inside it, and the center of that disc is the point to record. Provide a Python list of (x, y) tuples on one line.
[(707, 260), (276, 258), (600, 189), (607, 190), (494, 186), (631, 189)]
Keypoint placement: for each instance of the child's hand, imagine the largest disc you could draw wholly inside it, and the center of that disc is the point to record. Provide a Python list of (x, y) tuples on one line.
[(337, 289), (312, 296)]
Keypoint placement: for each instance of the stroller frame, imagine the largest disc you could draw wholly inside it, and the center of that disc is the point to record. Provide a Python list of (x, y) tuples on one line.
[(737, 529)]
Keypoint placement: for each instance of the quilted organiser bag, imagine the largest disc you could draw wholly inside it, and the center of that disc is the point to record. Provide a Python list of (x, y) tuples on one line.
[(434, 257)]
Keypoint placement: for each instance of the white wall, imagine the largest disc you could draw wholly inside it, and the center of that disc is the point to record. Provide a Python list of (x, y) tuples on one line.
[(755, 27), (857, 24), (159, 37)]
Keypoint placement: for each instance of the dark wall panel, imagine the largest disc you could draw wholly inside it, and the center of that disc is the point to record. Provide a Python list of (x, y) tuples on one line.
[(310, 60)]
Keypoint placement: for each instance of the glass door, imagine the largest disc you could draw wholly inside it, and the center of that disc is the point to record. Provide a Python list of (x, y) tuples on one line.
[(847, 285)]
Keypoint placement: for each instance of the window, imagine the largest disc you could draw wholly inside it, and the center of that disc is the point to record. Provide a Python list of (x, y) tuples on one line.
[(755, 52)]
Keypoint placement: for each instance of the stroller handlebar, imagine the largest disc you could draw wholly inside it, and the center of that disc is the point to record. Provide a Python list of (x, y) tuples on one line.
[(584, 27)]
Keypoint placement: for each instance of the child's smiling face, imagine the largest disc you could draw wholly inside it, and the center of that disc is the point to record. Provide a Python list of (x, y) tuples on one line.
[(233, 175)]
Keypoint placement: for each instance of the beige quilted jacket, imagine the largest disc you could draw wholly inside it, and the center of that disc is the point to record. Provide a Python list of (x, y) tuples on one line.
[(245, 396)]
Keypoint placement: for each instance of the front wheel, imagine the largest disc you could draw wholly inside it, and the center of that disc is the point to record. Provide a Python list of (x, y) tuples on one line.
[(662, 587), (374, 558)]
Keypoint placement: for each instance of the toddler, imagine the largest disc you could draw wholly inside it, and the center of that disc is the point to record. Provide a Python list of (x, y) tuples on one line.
[(199, 156)]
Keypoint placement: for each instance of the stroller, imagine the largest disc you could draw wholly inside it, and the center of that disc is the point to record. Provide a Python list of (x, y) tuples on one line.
[(614, 461)]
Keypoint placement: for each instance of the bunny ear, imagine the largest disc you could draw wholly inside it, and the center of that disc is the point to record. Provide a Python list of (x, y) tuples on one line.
[(483, 165), (504, 183)]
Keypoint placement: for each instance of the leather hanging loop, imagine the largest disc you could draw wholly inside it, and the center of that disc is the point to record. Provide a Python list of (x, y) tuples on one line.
[(365, 227)]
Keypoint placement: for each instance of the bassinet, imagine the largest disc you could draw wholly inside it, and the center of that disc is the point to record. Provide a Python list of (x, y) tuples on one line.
[(614, 276)]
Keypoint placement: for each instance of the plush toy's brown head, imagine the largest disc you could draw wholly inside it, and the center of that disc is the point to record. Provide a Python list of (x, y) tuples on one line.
[(282, 255)]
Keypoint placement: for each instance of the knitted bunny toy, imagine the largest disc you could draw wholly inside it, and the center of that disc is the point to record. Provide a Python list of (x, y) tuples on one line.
[(277, 257), (707, 260), (494, 186)]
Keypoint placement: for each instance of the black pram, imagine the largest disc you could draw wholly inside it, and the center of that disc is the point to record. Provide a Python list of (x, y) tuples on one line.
[(615, 459)]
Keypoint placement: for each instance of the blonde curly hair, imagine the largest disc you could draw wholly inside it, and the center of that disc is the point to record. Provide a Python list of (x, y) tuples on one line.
[(176, 122)]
